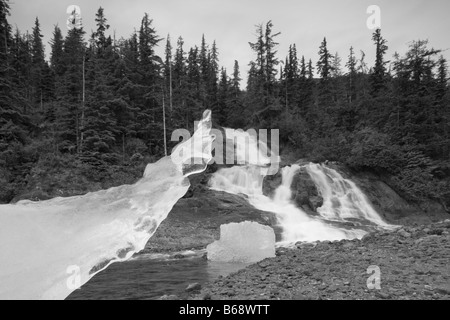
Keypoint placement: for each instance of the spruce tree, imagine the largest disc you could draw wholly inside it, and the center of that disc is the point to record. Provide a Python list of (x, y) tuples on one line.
[(57, 50), (212, 81), (168, 70), (180, 90), (13, 123), (236, 80), (351, 75), (40, 73), (99, 126), (223, 94), (270, 57), (325, 68), (70, 91), (378, 75)]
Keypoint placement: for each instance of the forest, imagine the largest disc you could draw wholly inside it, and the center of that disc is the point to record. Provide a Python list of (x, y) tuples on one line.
[(93, 114)]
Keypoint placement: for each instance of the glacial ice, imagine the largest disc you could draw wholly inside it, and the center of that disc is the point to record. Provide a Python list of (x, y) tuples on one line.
[(50, 248), (245, 242)]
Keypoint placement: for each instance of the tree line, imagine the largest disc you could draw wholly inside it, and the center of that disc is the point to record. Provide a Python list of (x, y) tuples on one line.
[(99, 108)]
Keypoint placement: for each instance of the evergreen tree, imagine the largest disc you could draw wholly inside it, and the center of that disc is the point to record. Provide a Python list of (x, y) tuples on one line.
[(443, 106), (70, 91), (194, 107), (57, 49), (223, 95), (236, 80), (13, 123), (168, 67), (263, 101), (152, 85), (379, 72), (212, 80), (324, 68), (271, 59), (98, 124), (12, 118), (310, 70), (180, 85), (20, 59), (351, 75), (37, 50), (42, 79), (303, 70), (259, 65), (235, 108)]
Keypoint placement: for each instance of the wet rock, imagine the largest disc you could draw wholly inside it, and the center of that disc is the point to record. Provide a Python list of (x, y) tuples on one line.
[(367, 237), (404, 233), (271, 183), (443, 289), (193, 287), (304, 191), (315, 202)]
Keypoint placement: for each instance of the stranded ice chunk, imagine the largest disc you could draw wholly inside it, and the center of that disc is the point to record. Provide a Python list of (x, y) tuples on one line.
[(245, 242)]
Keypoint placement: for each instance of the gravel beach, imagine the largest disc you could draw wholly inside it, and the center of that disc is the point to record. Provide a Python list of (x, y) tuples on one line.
[(408, 263)]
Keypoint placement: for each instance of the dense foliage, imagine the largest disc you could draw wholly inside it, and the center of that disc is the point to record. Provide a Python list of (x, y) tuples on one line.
[(95, 112)]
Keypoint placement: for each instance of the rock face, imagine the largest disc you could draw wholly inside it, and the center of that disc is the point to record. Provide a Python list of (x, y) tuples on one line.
[(388, 203)]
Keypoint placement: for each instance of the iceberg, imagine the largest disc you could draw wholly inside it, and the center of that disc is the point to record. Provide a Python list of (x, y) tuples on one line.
[(245, 242)]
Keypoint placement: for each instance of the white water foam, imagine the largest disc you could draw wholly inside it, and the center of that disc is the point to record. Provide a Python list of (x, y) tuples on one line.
[(296, 224), (342, 198), (49, 247)]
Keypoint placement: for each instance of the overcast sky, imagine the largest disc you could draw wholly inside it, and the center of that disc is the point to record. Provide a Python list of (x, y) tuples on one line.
[(232, 23)]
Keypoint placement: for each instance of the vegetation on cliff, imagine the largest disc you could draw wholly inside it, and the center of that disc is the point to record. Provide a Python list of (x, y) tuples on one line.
[(91, 115)]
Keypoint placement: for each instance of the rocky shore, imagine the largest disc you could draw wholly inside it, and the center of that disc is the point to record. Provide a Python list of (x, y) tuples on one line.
[(413, 263)]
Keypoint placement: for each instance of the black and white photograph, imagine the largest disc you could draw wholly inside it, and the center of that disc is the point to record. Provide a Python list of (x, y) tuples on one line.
[(228, 156)]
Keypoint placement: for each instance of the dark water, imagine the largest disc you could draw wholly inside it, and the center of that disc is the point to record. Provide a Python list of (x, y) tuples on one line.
[(149, 278)]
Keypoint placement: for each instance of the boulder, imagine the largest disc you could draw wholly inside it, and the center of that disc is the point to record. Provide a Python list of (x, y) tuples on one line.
[(304, 191), (271, 183), (194, 287)]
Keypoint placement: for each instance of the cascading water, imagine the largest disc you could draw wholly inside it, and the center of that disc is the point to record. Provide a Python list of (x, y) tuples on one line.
[(51, 247), (296, 224), (343, 200)]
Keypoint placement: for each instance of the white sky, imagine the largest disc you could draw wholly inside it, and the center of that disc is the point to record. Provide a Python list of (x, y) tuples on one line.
[(232, 23)]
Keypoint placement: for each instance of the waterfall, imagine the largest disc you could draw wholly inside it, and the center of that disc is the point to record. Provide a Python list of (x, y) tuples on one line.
[(296, 224), (343, 202), (49, 248)]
